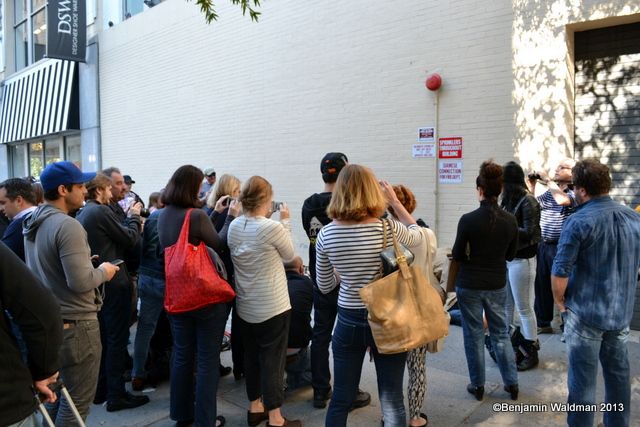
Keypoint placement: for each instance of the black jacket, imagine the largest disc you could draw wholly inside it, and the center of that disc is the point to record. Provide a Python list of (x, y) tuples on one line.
[(108, 237), (34, 309), (314, 217), (527, 213), (486, 239)]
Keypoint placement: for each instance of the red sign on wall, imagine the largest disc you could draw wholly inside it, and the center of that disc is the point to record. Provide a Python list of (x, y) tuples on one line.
[(450, 148)]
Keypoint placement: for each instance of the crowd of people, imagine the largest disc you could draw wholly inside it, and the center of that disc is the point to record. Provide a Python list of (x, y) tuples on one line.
[(82, 260)]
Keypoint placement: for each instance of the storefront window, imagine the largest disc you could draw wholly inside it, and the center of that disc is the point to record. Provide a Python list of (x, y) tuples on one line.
[(73, 150), (36, 159), (18, 155), (31, 158), (52, 151)]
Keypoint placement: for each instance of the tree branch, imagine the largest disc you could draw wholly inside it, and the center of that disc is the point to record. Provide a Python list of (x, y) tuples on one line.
[(208, 9)]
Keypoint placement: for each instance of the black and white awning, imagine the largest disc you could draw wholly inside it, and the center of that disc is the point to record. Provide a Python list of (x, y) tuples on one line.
[(38, 102)]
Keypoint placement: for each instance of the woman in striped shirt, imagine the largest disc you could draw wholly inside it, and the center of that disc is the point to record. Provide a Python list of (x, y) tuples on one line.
[(348, 255), (258, 246)]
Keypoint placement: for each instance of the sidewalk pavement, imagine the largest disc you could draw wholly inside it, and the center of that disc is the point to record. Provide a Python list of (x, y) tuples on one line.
[(447, 402)]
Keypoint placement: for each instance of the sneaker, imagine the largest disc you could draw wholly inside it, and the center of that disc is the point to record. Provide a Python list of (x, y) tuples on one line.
[(362, 399)]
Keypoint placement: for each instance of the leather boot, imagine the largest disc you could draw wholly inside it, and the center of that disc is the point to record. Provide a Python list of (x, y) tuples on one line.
[(530, 351)]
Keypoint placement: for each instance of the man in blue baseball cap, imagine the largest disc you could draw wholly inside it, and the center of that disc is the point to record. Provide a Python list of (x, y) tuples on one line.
[(57, 251)]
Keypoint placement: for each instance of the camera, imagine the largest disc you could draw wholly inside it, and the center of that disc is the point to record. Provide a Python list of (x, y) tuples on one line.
[(227, 201), (533, 175), (144, 213), (275, 206)]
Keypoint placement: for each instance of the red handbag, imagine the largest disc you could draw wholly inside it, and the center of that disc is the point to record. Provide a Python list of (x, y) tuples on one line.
[(191, 279)]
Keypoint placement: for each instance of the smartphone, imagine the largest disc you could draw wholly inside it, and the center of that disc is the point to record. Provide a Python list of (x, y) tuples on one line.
[(275, 206), (117, 262)]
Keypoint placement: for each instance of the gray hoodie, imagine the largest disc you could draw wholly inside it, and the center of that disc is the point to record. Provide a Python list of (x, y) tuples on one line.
[(57, 251)]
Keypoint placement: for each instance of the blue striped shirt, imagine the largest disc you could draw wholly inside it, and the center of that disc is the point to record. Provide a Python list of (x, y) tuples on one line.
[(553, 215), (599, 251)]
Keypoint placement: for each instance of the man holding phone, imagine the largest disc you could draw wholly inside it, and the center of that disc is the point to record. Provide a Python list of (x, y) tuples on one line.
[(57, 251), (110, 238)]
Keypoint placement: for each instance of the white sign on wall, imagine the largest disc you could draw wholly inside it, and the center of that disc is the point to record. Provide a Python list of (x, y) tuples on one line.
[(421, 151), (450, 171), (427, 134)]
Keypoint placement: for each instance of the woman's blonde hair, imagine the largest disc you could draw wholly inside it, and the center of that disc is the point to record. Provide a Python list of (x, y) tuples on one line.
[(406, 198), (255, 192), (357, 195), (224, 186)]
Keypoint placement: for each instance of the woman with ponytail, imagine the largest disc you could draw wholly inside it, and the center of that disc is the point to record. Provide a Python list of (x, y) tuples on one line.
[(486, 239)]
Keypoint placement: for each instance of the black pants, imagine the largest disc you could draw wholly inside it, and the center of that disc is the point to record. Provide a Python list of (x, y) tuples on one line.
[(325, 310), (265, 352), (114, 334), (237, 343), (544, 296)]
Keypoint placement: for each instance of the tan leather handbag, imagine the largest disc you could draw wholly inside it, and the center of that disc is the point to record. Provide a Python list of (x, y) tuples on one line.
[(405, 311)]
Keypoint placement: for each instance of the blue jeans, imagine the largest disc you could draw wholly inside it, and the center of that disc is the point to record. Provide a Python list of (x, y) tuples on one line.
[(299, 370), (472, 302), (585, 345), (151, 294), (521, 274), (325, 309), (196, 335), (351, 338)]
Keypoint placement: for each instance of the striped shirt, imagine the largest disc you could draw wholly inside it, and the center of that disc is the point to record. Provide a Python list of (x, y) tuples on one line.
[(354, 251), (258, 246), (553, 215)]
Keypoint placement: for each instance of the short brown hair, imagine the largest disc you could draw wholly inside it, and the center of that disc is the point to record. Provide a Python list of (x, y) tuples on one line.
[(406, 198), (101, 182), (593, 176), (255, 192), (357, 195), (182, 189)]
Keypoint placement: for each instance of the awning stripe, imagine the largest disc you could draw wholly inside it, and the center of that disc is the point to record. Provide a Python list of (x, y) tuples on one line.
[(37, 102)]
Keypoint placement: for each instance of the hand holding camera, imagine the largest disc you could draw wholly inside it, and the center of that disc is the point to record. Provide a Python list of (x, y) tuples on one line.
[(284, 210), (135, 209)]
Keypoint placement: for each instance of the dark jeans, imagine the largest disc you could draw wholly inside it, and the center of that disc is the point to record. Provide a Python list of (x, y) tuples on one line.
[(350, 341), (151, 293), (114, 334), (197, 336), (298, 370), (265, 346), (325, 309), (543, 305)]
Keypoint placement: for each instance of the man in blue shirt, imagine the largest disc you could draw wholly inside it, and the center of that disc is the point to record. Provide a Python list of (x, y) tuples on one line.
[(17, 201), (594, 281)]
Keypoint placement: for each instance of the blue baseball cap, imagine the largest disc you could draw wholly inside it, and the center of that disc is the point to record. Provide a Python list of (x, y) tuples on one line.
[(63, 173)]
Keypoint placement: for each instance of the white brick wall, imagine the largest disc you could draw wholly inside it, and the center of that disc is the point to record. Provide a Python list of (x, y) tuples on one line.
[(271, 98)]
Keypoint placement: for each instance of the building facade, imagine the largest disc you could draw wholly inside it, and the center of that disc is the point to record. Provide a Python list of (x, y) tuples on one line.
[(530, 81)]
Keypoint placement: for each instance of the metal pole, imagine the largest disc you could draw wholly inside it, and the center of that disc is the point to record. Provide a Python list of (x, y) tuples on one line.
[(436, 186)]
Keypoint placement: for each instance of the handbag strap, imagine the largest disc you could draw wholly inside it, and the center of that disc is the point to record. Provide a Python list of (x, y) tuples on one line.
[(183, 238), (402, 260), (429, 257)]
